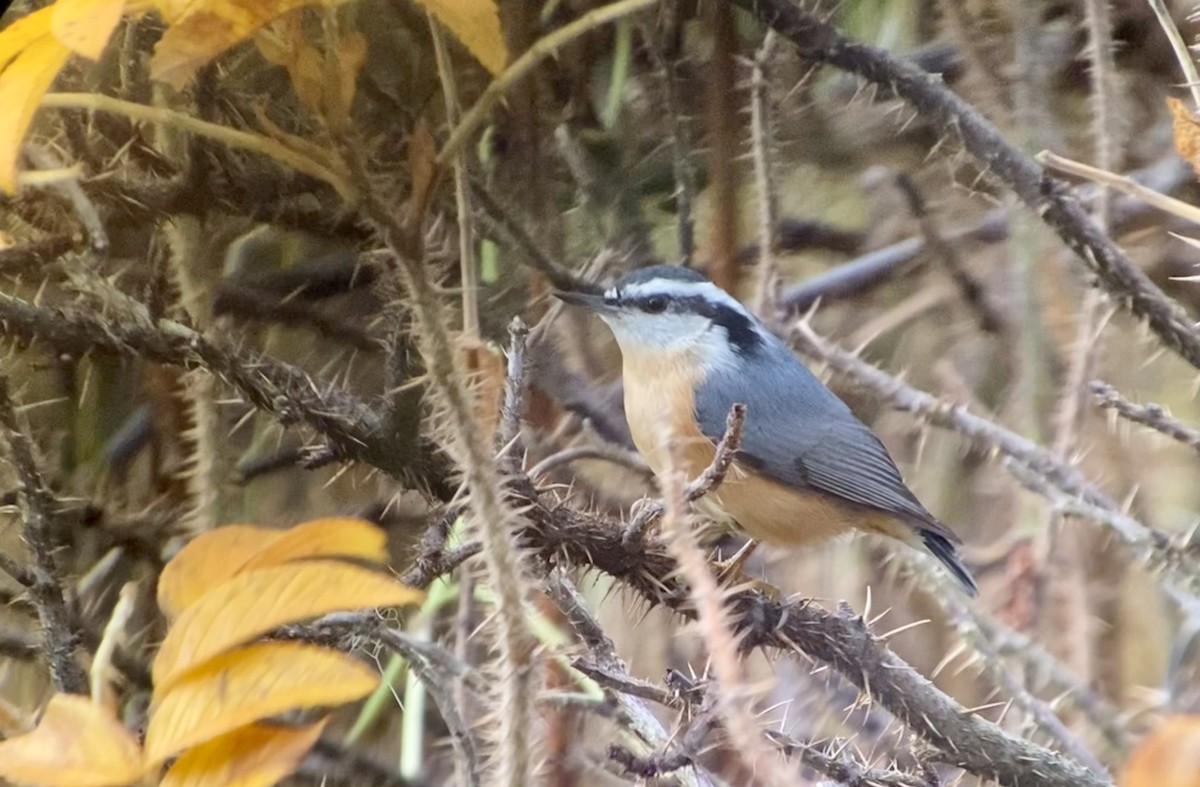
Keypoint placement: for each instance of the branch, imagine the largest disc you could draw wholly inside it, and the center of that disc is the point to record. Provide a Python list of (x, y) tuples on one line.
[(712, 477), (38, 509), (840, 640), (1151, 415), (955, 118), (286, 391)]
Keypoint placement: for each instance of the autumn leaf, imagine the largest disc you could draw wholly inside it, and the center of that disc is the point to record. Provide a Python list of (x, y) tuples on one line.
[(219, 555), (76, 744), (206, 561), (34, 58), (255, 756), (251, 604), (1187, 132), (334, 537), (84, 26), (249, 684), (202, 32), (476, 23), (1168, 757)]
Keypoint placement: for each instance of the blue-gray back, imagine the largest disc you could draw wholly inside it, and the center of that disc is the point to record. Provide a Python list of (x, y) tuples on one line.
[(798, 433)]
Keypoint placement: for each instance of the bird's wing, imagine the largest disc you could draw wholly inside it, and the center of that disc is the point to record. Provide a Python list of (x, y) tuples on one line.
[(799, 434)]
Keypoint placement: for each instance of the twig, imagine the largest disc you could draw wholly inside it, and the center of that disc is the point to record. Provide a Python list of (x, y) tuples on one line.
[(85, 209), (39, 508), (1182, 53), (643, 727), (954, 117), (839, 640), (509, 431), (1121, 183), (543, 48), (235, 138), (681, 147), (492, 516), (609, 453), (710, 479), (762, 147), (966, 623), (972, 292), (537, 259), (874, 268), (253, 303), (273, 386), (1151, 415), (714, 615), (1026, 459)]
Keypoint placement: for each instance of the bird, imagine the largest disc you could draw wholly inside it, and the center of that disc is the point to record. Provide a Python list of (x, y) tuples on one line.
[(806, 469)]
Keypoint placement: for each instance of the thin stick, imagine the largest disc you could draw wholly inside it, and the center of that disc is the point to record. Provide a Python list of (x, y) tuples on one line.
[(39, 508), (1182, 54), (543, 48), (234, 138), (1121, 183), (1151, 415)]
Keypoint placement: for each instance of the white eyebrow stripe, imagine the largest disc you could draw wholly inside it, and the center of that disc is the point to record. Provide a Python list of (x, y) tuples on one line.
[(684, 289)]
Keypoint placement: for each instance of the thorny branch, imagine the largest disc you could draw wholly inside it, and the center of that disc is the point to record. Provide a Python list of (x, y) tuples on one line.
[(38, 509), (841, 640), (955, 118), (712, 477), (1151, 415)]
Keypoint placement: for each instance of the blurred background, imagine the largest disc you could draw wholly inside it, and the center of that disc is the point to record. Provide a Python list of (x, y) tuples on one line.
[(679, 134)]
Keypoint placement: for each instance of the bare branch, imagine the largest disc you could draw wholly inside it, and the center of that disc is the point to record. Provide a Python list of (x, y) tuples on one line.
[(39, 509), (954, 117), (1151, 415)]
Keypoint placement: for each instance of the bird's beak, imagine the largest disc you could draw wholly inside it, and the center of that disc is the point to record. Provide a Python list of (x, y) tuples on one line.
[(587, 300)]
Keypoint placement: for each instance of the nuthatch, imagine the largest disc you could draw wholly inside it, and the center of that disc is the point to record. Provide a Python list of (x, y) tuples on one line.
[(807, 469)]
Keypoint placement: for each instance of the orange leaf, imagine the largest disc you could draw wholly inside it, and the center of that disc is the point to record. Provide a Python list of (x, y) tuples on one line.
[(255, 756), (207, 561), (332, 537), (1187, 132), (252, 683), (76, 744), (84, 26), (1168, 757), (204, 32), (221, 554), (476, 23), (251, 604), (22, 85)]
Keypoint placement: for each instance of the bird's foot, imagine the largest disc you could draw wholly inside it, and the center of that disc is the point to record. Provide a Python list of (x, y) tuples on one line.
[(643, 513), (731, 574)]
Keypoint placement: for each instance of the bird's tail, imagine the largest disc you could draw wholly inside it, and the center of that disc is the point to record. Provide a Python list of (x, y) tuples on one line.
[(944, 550)]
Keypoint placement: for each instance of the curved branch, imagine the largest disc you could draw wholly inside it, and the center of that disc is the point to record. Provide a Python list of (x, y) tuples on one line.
[(955, 118)]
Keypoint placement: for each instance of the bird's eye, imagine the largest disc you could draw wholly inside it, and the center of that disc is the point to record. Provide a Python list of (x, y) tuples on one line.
[(655, 305)]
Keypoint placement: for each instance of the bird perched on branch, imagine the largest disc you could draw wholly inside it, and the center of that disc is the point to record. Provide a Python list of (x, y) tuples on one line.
[(806, 470)]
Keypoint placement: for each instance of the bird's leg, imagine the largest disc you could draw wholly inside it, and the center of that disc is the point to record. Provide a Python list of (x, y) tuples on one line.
[(732, 568)]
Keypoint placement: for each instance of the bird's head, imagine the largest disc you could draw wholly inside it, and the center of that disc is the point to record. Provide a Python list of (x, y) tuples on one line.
[(668, 310)]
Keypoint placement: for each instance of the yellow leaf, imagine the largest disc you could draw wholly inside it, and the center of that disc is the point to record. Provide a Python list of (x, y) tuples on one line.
[(15, 38), (476, 23), (84, 26), (207, 561), (249, 684), (76, 744), (255, 756), (219, 555), (207, 30), (333, 537), (1187, 132), (22, 85), (1168, 757), (251, 604)]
